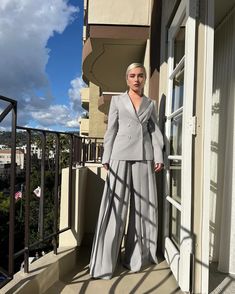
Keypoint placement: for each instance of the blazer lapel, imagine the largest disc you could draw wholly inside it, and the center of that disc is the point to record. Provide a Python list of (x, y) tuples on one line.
[(129, 106), (144, 108)]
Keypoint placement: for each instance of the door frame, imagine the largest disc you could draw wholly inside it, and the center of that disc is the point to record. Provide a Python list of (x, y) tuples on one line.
[(207, 98), (180, 260)]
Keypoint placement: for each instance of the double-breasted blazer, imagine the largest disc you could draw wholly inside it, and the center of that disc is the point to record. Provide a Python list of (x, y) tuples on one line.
[(132, 135)]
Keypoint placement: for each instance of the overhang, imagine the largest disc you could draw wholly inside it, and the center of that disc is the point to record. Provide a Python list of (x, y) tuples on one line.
[(109, 50)]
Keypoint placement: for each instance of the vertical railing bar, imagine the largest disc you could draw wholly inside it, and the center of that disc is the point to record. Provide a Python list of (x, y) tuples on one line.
[(101, 147), (70, 181), (27, 202), (88, 149), (57, 154), (80, 150), (76, 149), (12, 192), (95, 151), (90, 144), (83, 151), (41, 202), (91, 150)]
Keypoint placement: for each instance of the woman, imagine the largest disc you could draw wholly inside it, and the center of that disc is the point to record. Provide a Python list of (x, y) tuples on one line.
[(132, 152)]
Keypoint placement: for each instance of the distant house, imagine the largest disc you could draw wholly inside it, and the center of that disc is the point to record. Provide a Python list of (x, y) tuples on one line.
[(3, 146), (5, 157), (35, 150)]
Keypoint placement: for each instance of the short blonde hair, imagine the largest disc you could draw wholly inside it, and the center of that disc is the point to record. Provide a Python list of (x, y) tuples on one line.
[(135, 65)]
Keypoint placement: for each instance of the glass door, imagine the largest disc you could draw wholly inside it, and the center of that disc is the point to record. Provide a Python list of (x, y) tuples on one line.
[(179, 130)]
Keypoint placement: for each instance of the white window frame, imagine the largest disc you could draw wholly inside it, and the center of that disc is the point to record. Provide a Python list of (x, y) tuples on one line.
[(180, 260)]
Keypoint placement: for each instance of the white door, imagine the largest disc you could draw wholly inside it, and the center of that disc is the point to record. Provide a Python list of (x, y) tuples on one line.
[(179, 128)]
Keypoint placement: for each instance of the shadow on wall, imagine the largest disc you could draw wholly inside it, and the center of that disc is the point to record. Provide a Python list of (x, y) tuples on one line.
[(222, 155), (94, 191)]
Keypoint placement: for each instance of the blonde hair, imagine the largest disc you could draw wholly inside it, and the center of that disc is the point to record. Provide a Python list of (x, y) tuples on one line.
[(135, 65)]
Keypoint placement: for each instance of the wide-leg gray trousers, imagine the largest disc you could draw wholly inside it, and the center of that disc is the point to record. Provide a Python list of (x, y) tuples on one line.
[(128, 182)]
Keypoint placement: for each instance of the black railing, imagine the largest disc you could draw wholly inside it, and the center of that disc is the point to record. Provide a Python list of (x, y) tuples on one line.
[(11, 108), (56, 150)]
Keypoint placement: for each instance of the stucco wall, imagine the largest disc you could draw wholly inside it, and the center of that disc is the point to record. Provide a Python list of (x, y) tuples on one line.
[(122, 12), (97, 126)]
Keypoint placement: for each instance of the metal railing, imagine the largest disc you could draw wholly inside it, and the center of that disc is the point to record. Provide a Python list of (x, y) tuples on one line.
[(69, 150), (11, 107)]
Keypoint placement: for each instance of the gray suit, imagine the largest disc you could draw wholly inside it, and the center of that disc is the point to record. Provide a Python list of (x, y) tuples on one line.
[(132, 141), (131, 135)]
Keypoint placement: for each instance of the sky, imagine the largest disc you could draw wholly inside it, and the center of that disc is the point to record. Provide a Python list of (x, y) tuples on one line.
[(40, 61)]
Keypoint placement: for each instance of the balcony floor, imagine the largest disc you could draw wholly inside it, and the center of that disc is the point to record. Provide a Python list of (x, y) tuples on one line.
[(154, 279)]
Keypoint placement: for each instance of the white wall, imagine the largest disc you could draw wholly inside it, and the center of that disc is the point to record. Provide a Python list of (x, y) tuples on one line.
[(222, 197), (119, 12)]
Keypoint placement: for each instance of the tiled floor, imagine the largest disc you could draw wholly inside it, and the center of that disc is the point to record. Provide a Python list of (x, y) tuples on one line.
[(154, 279)]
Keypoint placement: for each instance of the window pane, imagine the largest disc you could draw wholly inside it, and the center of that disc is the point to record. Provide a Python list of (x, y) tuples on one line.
[(175, 180), (175, 222), (176, 135), (179, 45), (178, 91)]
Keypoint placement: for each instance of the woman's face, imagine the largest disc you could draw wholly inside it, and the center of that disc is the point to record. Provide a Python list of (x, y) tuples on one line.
[(136, 79)]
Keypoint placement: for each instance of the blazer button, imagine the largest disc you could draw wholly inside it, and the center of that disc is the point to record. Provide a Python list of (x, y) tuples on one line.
[(129, 137), (128, 125)]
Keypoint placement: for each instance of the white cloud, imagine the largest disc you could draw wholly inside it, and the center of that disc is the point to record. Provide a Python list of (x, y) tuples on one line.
[(72, 123), (74, 93), (26, 27), (56, 115)]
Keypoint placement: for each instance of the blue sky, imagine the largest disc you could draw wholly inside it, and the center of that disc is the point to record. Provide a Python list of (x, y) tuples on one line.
[(66, 55), (41, 46)]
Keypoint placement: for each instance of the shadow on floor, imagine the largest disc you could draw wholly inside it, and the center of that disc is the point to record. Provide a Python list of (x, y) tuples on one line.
[(151, 279)]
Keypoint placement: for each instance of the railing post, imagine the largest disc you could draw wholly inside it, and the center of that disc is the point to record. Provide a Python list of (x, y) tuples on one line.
[(84, 151), (80, 150), (75, 149), (70, 180), (95, 151), (57, 154), (91, 150), (41, 201), (12, 192), (27, 203)]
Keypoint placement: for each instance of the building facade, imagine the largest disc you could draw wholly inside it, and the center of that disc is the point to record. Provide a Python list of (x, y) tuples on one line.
[(188, 50), (5, 157), (93, 124)]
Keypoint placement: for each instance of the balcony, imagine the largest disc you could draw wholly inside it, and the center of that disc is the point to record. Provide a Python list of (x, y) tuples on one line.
[(116, 38), (85, 98), (75, 195), (84, 126)]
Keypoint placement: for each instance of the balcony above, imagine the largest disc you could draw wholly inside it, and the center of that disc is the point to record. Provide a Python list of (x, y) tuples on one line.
[(105, 60), (118, 32), (85, 98)]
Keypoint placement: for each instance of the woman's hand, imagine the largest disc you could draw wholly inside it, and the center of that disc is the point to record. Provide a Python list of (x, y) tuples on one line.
[(158, 167), (106, 166)]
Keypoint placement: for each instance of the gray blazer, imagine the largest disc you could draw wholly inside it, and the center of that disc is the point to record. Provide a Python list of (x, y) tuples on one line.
[(132, 135)]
